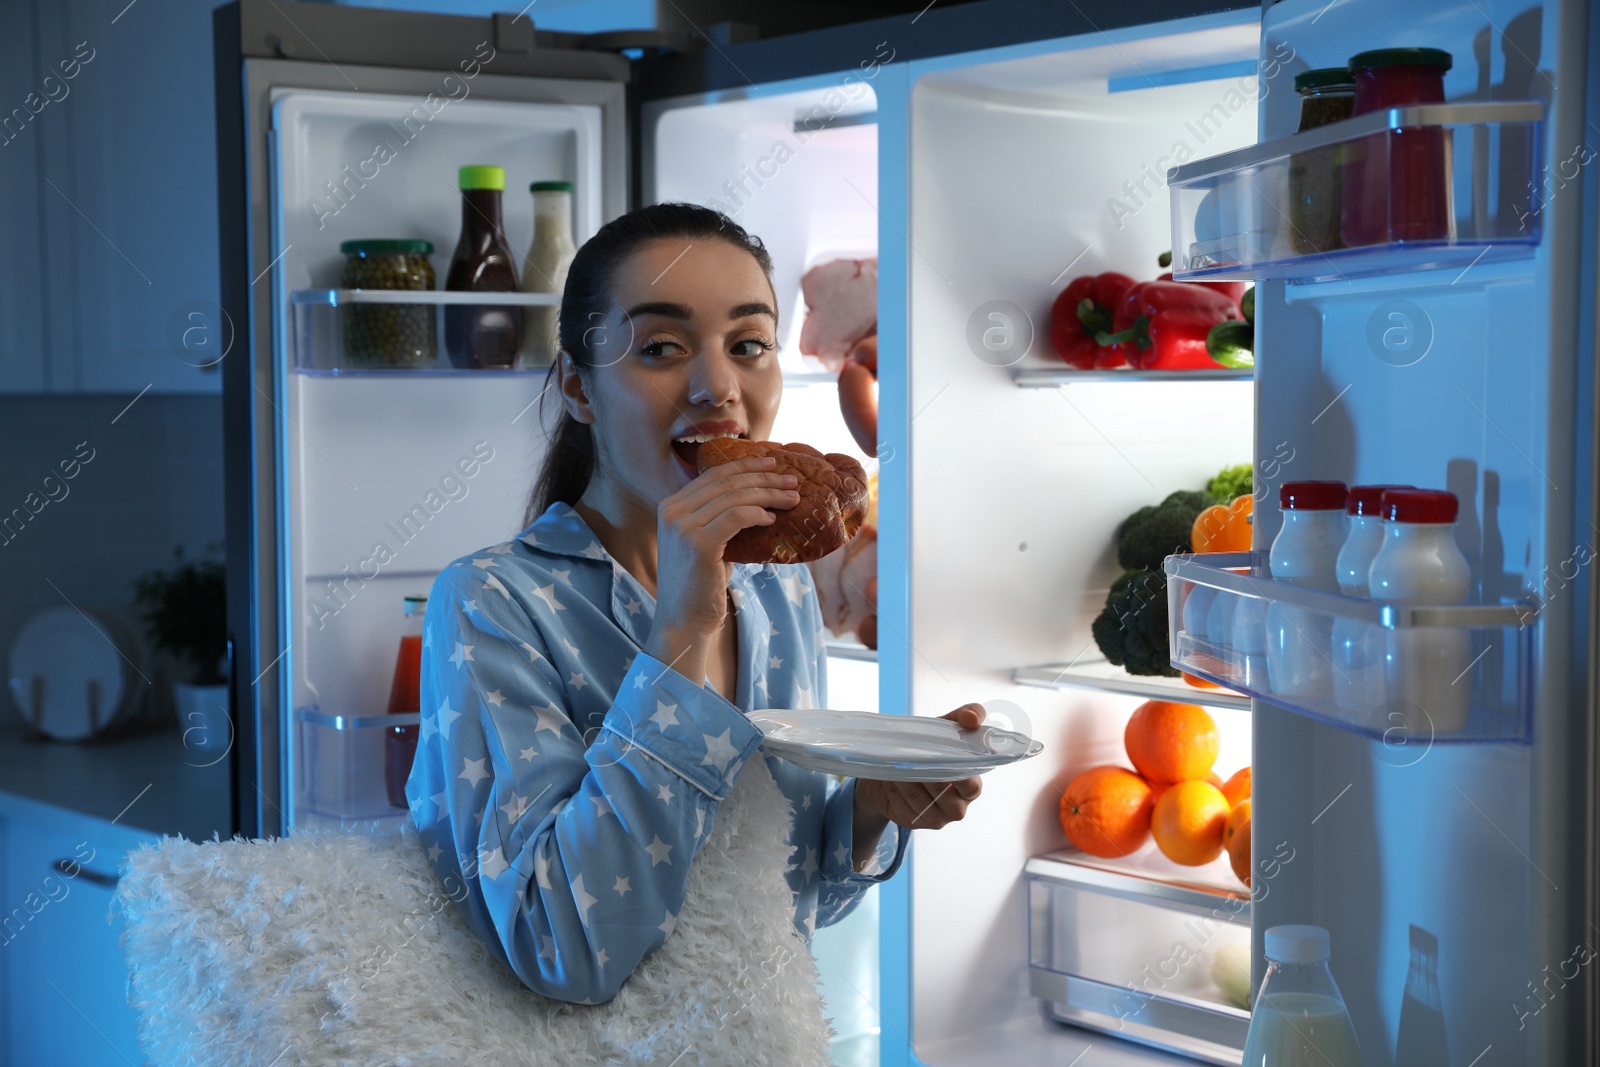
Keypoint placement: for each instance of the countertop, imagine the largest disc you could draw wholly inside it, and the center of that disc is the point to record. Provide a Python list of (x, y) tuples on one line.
[(146, 781)]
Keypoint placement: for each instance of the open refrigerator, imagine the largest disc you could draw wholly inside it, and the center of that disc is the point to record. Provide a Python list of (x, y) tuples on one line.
[(987, 155)]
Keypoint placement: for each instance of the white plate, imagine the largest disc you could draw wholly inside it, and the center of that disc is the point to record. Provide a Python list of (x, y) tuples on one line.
[(78, 667), (904, 748)]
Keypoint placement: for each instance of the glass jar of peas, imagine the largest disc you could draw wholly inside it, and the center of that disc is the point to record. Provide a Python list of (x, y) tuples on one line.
[(388, 335)]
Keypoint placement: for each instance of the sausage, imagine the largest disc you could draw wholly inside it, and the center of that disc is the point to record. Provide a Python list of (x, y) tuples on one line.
[(857, 400)]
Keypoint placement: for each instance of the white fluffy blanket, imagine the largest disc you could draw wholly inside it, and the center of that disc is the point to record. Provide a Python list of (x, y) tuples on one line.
[(342, 948)]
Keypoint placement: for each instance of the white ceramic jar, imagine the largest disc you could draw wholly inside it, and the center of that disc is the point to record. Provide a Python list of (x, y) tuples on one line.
[(1358, 646), (1305, 553), (1424, 668)]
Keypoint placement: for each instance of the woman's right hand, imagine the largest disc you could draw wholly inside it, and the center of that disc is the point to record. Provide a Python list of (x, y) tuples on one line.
[(693, 527)]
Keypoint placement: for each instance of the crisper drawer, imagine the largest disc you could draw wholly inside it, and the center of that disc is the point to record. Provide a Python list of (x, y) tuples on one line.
[(1133, 957), (354, 766)]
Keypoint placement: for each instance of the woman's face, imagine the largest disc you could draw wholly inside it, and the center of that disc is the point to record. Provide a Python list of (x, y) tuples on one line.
[(688, 346)]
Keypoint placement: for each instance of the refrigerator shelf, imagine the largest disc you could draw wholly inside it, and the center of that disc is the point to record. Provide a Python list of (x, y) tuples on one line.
[(851, 650), (1103, 676), (1132, 956), (342, 761), (1409, 675), (1054, 377), (1446, 186)]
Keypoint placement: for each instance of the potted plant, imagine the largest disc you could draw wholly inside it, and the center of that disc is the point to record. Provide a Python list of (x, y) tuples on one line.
[(185, 611)]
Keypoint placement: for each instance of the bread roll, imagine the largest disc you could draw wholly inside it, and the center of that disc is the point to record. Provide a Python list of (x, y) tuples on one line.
[(831, 508)]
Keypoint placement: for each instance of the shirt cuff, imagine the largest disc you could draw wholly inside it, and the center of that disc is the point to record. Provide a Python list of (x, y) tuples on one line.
[(690, 728), (839, 827)]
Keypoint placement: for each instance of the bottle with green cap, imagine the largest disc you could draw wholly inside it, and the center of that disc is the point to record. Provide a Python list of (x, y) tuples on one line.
[(482, 335), (1299, 1018), (545, 268)]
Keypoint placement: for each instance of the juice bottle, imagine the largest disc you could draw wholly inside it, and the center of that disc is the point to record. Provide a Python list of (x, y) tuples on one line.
[(405, 694), (1299, 1018), (482, 335)]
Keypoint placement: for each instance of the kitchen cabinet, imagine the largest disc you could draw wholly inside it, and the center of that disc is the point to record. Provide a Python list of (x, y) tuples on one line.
[(62, 971), (115, 285)]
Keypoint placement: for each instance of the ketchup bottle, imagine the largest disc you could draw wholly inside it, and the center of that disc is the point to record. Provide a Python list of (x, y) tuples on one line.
[(1396, 184), (405, 694)]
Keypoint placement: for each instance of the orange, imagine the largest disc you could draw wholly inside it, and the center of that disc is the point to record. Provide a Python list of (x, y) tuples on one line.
[(1238, 817), (1239, 852), (1171, 742), (1199, 682), (1223, 527), (1237, 788), (1188, 823), (1106, 811)]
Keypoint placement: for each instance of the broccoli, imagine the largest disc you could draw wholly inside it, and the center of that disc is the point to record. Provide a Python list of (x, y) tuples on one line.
[(1132, 629), (1153, 533), (1231, 482)]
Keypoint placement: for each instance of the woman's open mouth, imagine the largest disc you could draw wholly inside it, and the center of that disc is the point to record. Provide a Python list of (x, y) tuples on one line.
[(687, 451)]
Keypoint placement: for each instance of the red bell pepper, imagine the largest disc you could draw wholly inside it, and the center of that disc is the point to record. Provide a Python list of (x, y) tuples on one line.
[(1163, 325), (1086, 307), (1234, 290)]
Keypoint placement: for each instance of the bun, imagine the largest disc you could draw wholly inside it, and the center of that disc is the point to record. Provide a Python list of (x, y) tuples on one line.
[(831, 508)]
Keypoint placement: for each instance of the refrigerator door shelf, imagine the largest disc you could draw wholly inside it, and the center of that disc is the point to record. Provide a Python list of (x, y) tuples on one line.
[(1100, 675), (343, 763), (1131, 956), (1055, 376), (1409, 675), (1406, 189)]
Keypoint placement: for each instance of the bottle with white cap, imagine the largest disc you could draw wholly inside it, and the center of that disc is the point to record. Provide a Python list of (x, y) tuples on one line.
[(1305, 552), (1419, 563), (1299, 1018), (1358, 645)]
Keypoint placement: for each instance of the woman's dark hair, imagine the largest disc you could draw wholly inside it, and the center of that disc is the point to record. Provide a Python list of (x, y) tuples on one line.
[(585, 302)]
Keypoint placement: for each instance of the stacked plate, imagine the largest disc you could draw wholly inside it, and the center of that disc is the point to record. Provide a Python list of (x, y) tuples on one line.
[(73, 673), (903, 748)]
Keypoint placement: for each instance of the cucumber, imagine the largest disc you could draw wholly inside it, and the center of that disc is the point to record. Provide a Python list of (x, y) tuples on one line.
[(1230, 343)]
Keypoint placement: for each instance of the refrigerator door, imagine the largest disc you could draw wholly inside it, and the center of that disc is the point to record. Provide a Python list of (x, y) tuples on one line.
[(348, 491)]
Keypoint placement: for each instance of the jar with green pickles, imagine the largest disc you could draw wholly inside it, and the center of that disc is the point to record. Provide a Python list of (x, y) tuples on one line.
[(389, 335)]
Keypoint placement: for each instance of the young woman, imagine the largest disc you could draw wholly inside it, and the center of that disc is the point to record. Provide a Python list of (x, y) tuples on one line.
[(584, 685)]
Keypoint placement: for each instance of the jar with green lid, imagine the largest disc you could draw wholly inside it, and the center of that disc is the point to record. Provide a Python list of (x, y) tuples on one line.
[(388, 335), (1327, 94)]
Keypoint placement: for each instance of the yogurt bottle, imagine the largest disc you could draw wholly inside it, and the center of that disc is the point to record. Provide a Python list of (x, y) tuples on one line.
[(1358, 646), (544, 269), (1305, 552), (1299, 1018), (1424, 667)]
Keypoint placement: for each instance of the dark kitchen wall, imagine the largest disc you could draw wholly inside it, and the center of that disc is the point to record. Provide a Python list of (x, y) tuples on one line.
[(145, 478)]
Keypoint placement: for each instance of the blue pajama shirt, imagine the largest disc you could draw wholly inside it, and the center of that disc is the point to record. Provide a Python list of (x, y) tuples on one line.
[(566, 778)]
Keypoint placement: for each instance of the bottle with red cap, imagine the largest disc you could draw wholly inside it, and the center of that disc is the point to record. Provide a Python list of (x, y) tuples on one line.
[(1305, 552), (1419, 563), (1358, 645)]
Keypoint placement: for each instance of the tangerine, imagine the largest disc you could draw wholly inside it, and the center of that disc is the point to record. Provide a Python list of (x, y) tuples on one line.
[(1238, 817), (1237, 788), (1239, 852), (1188, 822), (1171, 742), (1106, 811), (1199, 682)]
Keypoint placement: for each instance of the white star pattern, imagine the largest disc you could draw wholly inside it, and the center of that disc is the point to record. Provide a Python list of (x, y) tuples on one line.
[(602, 957), (484, 563), (491, 582), (668, 924), (492, 863), (547, 947), (811, 924), (447, 715), (634, 607), (805, 802), (660, 851), (794, 587), (533, 653), (738, 598), (528, 753), (541, 870), (547, 593), (471, 607), (434, 851), (772, 631), (462, 654), (622, 887), (719, 751), (472, 770), (572, 648), (501, 549), (601, 806), (494, 697), (803, 700), (594, 551), (809, 867), (761, 684), (699, 821), (665, 715), (583, 900), (575, 679), (774, 663), (514, 807), (665, 793), (842, 855), (563, 576), (638, 681), (550, 718)]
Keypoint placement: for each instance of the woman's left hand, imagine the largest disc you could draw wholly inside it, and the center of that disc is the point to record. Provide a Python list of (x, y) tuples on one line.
[(925, 805)]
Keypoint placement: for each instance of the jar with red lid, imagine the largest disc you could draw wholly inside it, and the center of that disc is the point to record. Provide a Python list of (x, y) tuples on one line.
[(1419, 563), (1396, 184)]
